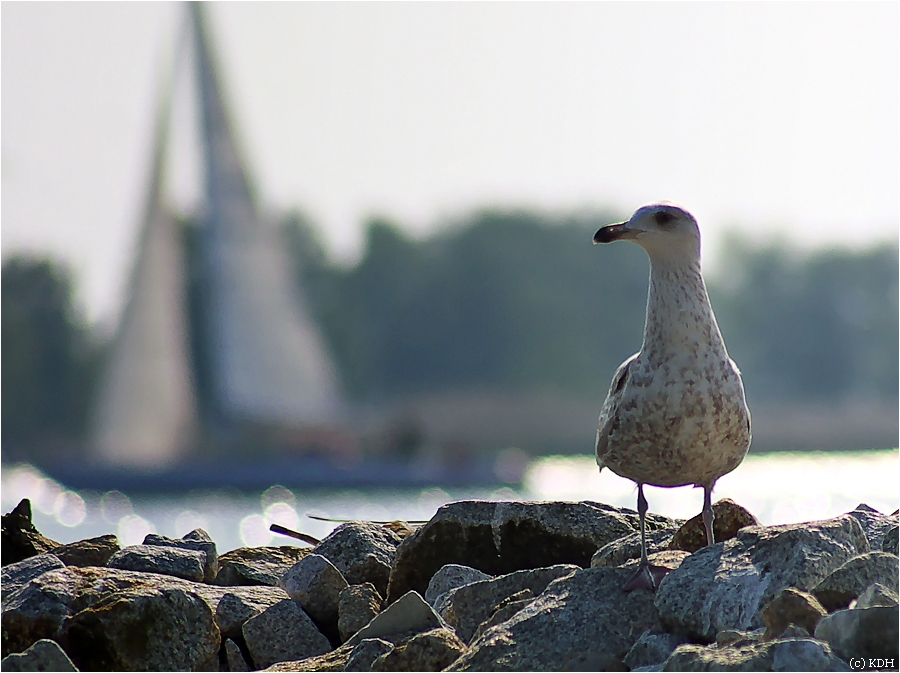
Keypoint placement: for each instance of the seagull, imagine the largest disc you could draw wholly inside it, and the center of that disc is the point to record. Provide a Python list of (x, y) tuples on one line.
[(675, 414)]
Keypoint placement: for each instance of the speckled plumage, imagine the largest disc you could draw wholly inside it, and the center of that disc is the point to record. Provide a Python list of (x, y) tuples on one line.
[(676, 413)]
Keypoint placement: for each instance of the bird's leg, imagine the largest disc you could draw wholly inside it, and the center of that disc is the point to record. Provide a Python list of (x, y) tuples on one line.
[(647, 576), (708, 515)]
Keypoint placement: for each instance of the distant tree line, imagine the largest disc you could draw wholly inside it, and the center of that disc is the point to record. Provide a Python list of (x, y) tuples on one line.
[(520, 301), (50, 360), (508, 301)]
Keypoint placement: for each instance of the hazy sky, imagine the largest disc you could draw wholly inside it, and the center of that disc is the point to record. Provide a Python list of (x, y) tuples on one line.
[(777, 119)]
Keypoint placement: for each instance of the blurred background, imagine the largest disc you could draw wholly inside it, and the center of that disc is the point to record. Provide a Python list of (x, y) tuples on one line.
[(347, 246)]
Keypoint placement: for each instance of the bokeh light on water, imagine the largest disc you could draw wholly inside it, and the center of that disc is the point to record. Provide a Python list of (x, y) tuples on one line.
[(69, 509), (777, 488)]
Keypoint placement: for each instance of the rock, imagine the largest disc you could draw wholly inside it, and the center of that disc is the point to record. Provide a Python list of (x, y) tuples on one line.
[(667, 558), (653, 647), (450, 577), (316, 585), (184, 563), (729, 519), (791, 606), (283, 632), (39, 609), (358, 605), (505, 610), (430, 651), (335, 660), (502, 537), (628, 548), (874, 524), (234, 657), (737, 638), (362, 551), (146, 628), (401, 528), (470, 605), (875, 595), (197, 540), (868, 633), (95, 551), (889, 541), (855, 576), (408, 615), (19, 539), (44, 655), (17, 575), (239, 604), (553, 633), (253, 566), (724, 586), (795, 654), (365, 654)]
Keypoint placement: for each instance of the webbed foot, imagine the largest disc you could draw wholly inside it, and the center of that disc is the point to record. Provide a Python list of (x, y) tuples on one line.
[(647, 577)]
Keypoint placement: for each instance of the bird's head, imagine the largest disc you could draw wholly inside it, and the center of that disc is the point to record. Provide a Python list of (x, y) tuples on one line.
[(660, 228)]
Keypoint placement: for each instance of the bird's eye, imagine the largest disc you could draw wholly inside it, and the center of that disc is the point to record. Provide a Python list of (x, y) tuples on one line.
[(663, 217)]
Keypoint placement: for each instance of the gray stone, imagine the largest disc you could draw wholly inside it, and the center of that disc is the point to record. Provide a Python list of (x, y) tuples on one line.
[(358, 605), (430, 651), (283, 632), (856, 575), (144, 628), (628, 548), (470, 605), (725, 585), (889, 541), (234, 657), (408, 615), (362, 551), (794, 654), (875, 595), (197, 540), (365, 654), (95, 551), (40, 608), (667, 558), (37, 610), (335, 660), (44, 655), (554, 633), (17, 575), (874, 524), (184, 563), (868, 632), (238, 604), (653, 647), (502, 537), (505, 610), (316, 585), (794, 631), (791, 606), (450, 577), (738, 638), (253, 566)]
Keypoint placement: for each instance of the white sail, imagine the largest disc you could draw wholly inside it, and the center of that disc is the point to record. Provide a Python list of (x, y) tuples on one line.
[(269, 362), (146, 413)]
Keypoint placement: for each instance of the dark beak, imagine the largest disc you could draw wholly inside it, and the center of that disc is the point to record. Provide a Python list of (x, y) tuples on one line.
[(613, 232)]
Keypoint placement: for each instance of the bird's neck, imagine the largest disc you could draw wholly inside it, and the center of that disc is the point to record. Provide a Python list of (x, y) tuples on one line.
[(679, 315)]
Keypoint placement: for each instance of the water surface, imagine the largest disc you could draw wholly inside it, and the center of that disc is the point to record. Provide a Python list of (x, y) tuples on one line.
[(776, 487)]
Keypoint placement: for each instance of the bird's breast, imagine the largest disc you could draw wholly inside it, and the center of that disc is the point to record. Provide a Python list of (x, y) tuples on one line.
[(678, 421)]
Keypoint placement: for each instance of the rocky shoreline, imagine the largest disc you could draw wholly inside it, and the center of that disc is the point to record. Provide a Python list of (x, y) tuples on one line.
[(500, 586)]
